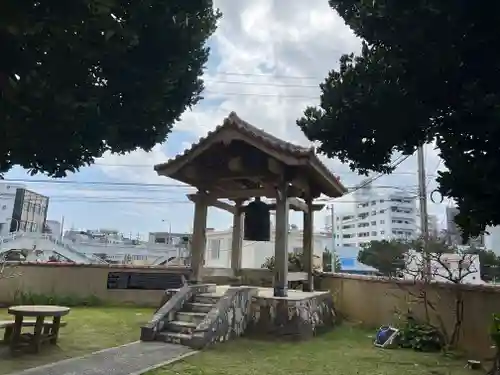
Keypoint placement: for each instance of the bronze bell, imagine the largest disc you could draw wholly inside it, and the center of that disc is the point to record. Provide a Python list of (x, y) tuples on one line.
[(257, 221)]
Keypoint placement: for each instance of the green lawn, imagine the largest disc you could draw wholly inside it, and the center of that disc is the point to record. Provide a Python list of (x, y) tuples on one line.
[(346, 351), (88, 330)]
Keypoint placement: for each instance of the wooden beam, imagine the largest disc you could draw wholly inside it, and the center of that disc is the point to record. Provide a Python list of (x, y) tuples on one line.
[(213, 202), (299, 206), (267, 192), (275, 166), (243, 193)]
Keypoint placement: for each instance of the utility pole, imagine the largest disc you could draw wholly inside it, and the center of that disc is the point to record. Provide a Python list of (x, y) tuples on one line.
[(332, 212), (424, 224)]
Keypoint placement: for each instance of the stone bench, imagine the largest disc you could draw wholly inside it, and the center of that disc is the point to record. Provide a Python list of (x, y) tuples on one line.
[(8, 325)]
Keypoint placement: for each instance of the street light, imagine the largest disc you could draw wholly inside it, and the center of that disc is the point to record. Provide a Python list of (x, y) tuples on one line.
[(169, 230)]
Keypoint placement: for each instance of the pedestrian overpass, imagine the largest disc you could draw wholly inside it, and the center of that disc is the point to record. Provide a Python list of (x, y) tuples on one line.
[(42, 246)]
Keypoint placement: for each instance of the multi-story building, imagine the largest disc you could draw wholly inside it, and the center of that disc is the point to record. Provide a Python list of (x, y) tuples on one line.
[(53, 227), (21, 209), (169, 238), (7, 200), (454, 234), (492, 239), (30, 211), (255, 253), (376, 217), (448, 268), (432, 222)]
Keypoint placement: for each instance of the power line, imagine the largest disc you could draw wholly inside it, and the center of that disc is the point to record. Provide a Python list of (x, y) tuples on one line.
[(370, 180), (100, 183), (151, 200), (158, 187), (150, 166), (260, 95), (269, 84), (237, 74)]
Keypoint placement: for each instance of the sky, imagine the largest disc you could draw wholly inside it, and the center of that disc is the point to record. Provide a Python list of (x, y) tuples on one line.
[(267, 60)]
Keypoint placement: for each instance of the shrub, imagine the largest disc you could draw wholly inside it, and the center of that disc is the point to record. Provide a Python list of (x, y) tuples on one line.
[(420, 336), (27, 298)]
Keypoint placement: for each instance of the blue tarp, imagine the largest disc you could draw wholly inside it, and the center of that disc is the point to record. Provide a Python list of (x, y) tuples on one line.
[(348, 257)]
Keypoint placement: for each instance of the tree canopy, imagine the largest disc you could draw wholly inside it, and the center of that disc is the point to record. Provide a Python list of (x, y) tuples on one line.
[(79, 78), (490, 264), (331, 262), (427, 72), (388, 257)]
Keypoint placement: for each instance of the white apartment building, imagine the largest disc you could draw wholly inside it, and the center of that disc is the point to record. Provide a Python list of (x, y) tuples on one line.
[(54, 227), (254, 253), (21, 209), (7, 201), (433, 223), (375, 217), (462, 268)]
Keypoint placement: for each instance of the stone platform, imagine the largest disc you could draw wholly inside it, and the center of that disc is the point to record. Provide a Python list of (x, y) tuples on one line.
[(298, 316)]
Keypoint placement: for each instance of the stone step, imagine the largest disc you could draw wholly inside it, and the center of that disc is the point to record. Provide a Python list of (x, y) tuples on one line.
[(190, 316), (178, 326), (174, 337), (198, 307), (207, 298)]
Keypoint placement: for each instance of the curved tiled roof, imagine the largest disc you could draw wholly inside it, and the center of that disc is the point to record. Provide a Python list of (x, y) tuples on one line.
[(243, 127)]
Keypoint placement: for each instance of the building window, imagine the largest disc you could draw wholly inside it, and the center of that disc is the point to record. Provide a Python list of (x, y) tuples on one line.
[(382, 221), (215, 249), (374, 223), (374, 233), (4, 207), (382, 232), (374, 203)]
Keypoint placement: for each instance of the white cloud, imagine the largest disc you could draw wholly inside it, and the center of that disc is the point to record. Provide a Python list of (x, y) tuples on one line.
[(279, 51)]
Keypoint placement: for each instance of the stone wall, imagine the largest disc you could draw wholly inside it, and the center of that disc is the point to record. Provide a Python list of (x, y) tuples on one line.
[(228, 319), (290, 318), (376, 301), (83, 281)]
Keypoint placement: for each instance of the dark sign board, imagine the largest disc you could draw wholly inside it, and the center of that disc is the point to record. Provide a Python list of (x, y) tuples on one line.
[(145, 281)]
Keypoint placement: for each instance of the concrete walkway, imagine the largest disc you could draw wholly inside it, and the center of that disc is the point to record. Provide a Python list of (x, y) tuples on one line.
[(131, 359)]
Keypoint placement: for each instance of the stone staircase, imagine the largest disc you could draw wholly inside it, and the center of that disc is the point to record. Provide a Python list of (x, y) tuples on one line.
[(200, 315), (181, 328)]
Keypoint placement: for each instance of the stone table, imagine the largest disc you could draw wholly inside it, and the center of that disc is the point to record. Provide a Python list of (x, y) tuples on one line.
[(43, 331)]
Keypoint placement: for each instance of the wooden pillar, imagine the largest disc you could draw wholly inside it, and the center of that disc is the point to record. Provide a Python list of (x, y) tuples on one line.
[(237, 239), (281, 243), (198, 242), (307, 246)]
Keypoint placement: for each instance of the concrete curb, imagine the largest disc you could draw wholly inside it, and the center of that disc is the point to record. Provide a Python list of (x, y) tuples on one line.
[(165, 363)]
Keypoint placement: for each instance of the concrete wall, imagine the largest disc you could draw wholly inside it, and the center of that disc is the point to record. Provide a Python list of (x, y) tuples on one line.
[(377, 301), (80, 281)]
